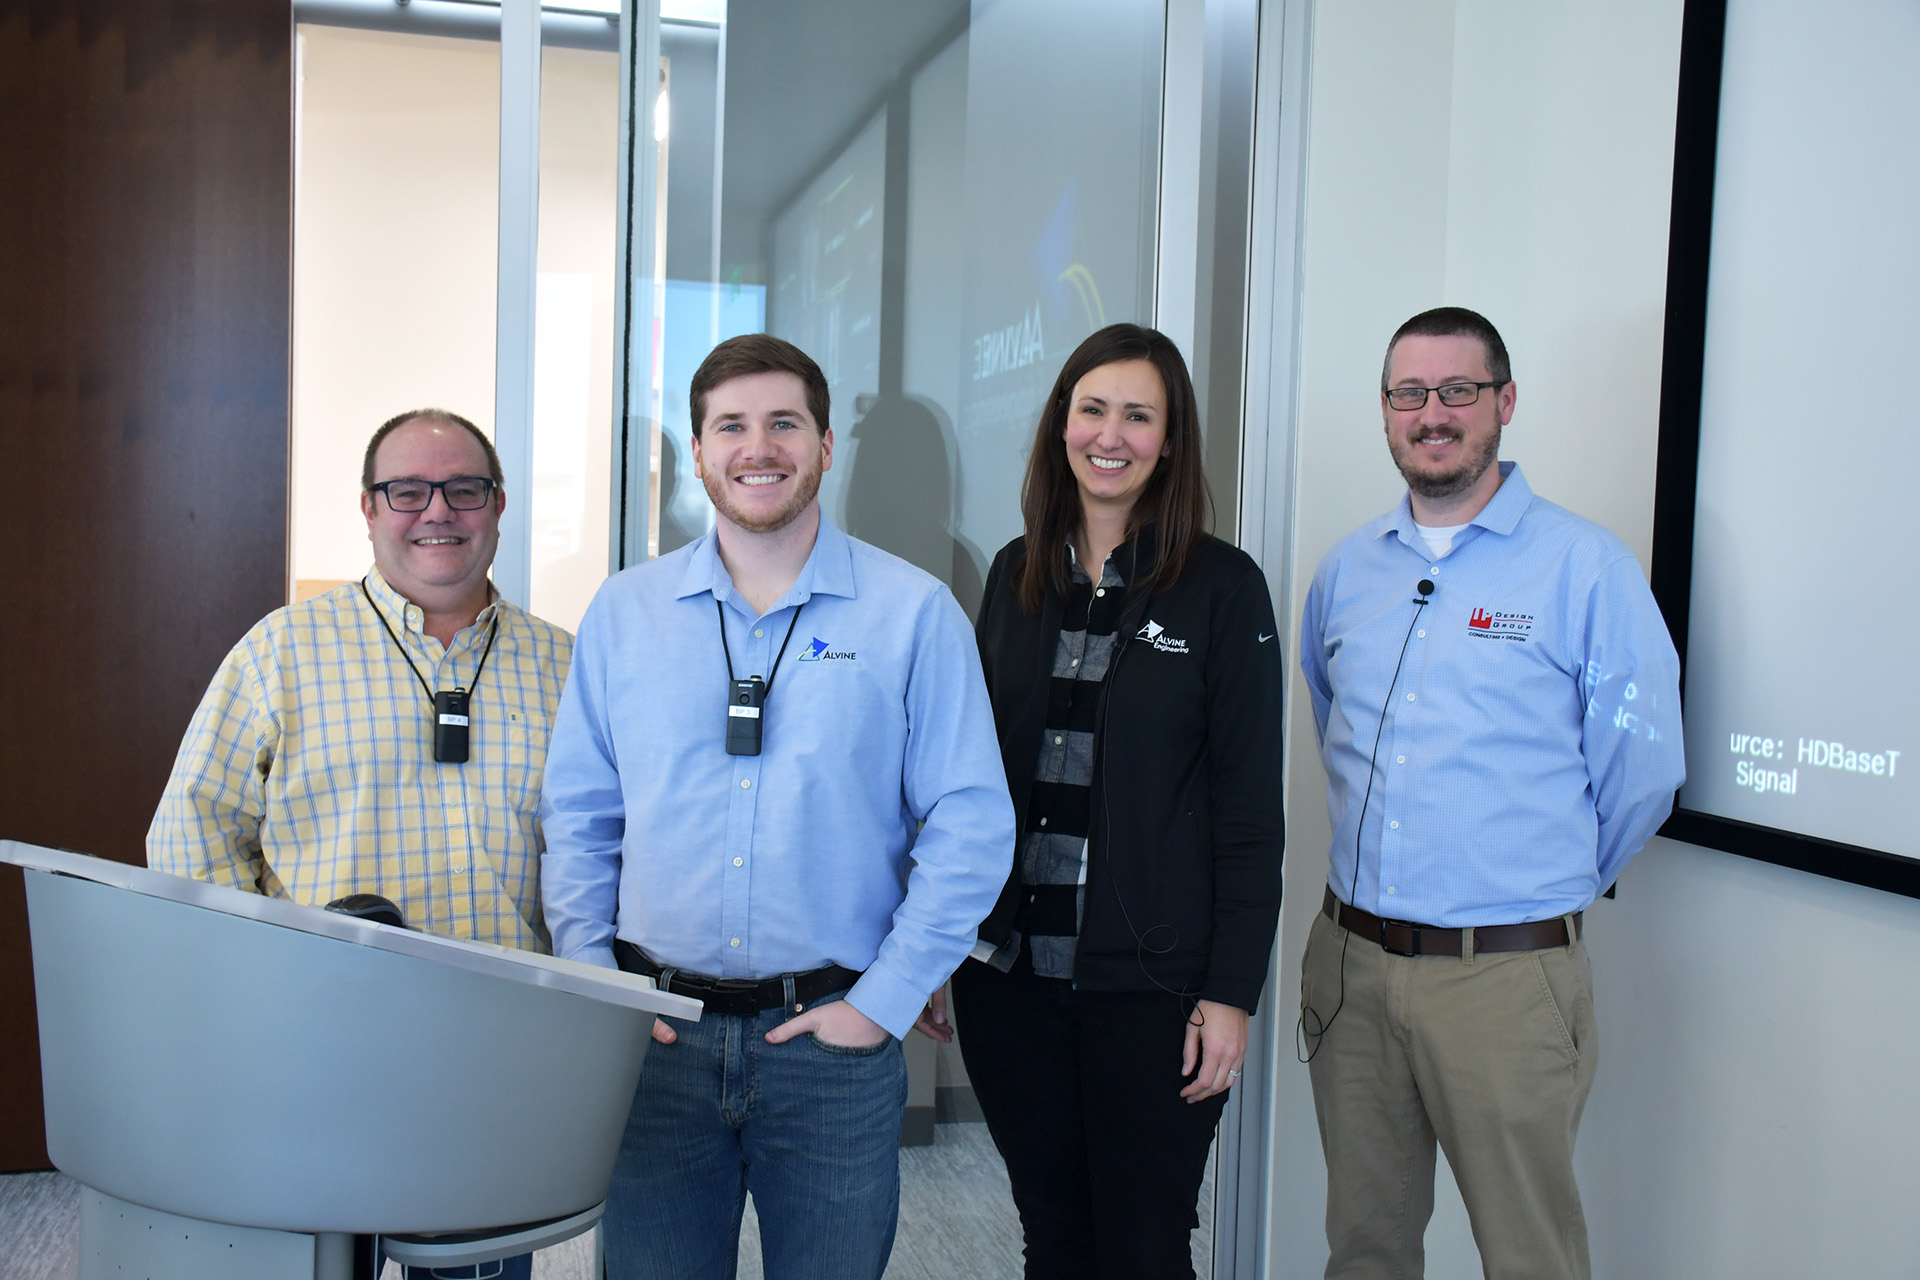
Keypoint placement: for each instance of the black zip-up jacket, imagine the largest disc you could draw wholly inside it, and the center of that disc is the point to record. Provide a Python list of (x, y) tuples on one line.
[(1187, 827)]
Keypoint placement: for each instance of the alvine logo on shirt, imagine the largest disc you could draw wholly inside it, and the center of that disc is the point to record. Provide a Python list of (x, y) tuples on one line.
[(1496, 625), (820, 651), (1156, 635)]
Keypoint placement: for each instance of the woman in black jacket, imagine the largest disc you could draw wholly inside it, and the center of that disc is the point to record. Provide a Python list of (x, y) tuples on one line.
[(1135, 672)]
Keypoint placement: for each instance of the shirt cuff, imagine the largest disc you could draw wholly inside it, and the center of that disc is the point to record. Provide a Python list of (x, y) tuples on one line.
[(602, 957), (887, 1001)]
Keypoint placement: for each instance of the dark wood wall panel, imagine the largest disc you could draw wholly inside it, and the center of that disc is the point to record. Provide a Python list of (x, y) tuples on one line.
[(145, 258)]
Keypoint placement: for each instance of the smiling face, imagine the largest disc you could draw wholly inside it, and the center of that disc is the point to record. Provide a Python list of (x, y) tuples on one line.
[(1446, 455), (759, 453), (437, 558), (1116, 433)]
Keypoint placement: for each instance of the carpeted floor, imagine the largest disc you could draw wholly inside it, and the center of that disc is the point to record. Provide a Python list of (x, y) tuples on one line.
[(39, 1226), (956, 1220)]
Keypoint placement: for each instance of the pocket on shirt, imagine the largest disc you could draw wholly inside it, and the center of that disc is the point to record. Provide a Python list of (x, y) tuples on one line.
[(524, 733)]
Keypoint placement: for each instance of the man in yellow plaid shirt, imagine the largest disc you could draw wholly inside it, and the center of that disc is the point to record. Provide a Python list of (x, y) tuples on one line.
[(319, 764)]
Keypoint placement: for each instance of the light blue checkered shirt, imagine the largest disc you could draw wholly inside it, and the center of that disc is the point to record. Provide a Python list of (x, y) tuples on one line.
[(1532, 744)]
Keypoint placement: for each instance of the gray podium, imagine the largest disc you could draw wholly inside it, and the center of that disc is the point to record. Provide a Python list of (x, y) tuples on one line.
[(243, 1084)]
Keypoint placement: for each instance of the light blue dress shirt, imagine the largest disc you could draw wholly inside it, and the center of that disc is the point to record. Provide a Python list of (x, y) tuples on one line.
[(813, 852), (1532, 744)]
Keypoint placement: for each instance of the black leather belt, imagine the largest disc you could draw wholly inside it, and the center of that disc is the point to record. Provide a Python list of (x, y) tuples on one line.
[(1404, 938), (742, 997)]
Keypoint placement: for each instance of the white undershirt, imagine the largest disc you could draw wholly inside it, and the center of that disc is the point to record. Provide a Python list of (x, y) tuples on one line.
[(1439, 538)]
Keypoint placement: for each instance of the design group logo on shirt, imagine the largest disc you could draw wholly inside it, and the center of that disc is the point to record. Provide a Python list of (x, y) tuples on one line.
[(1495, 625), (1156, 635), (819, 651)]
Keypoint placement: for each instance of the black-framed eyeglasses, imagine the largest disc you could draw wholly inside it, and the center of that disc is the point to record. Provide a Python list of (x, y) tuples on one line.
[(463, 493), (1454, 395)]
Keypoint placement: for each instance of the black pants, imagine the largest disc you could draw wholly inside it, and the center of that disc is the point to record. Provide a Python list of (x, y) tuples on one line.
[(1081, 1091)]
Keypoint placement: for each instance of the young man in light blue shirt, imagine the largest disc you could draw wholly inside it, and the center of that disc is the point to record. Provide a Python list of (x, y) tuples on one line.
[(1498, 710), (773, 785)]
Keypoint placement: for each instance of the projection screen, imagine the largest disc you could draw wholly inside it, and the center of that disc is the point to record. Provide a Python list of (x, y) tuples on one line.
[(1790, 427)]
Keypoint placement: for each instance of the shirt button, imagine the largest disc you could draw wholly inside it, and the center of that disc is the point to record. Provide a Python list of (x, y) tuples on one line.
[(1399, 759), (1423, 633), (757, 633), (1435, 569), (1394, 825), (1390, 889), (1409, 699), (1076, 662), (734, 943), (1102, 591), (1058, 741), (1043, 822), (747, 782), (739, 862)]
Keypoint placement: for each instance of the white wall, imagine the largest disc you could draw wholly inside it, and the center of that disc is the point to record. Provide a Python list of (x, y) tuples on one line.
[(1752, 1115)]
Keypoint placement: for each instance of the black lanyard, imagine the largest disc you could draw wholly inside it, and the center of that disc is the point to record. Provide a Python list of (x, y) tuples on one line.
[(746, 699), (450, 707)]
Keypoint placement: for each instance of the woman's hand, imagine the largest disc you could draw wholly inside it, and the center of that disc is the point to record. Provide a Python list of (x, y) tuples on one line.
[(1217, 1042), (932, 1022)]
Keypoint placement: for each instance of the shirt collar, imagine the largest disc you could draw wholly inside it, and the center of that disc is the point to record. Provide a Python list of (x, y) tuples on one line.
[(411, 617), (828, 570), (1501, 514)]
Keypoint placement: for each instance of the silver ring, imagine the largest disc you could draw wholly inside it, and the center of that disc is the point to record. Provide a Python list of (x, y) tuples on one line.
[(1233, 1073)]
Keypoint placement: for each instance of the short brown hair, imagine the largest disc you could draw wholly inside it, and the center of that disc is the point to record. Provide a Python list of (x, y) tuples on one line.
[(1175, 503), (1453, 322), (399, 420), (752, 353)]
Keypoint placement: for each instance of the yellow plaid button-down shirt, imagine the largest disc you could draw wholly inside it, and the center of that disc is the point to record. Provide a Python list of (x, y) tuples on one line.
[(308, 771)]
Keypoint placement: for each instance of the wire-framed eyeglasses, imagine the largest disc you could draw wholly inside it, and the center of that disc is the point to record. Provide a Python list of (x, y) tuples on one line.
[(1454, 395), (463, 493)]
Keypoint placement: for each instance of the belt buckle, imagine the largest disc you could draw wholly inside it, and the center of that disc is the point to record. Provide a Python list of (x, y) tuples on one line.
[(1413, 934)]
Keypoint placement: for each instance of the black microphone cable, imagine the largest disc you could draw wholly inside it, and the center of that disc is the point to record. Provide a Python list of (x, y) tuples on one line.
[(1301, 1034)]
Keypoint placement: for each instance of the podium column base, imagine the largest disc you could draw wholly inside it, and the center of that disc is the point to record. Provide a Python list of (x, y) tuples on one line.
[(119, 1239)]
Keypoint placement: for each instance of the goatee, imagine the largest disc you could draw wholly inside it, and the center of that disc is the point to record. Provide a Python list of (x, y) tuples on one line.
[(1446, 484)]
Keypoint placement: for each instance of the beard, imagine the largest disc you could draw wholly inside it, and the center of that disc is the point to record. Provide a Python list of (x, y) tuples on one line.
[(806, 486), (1450, 483)]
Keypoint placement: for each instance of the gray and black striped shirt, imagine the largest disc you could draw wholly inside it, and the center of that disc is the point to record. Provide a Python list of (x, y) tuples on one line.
[(1053, 845)]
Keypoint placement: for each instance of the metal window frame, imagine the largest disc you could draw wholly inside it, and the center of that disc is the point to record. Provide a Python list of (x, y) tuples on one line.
[(1242, 1223)]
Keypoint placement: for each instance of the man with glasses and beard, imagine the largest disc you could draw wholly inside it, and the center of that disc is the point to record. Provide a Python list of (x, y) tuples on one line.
[(1498, 710), (775, 787), (387, 736)]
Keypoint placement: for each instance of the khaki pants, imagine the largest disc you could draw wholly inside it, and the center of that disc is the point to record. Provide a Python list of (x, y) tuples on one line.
[(1494, 1056)]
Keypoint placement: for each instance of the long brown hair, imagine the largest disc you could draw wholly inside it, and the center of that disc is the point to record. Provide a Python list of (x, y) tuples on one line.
[(1175, 505)]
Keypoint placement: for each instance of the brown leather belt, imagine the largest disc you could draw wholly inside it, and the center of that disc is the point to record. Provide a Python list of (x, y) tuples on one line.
[(1404, 938), (742, 997)]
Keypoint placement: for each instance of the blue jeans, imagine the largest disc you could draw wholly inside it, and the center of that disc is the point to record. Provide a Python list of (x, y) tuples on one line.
[(812, 1130)]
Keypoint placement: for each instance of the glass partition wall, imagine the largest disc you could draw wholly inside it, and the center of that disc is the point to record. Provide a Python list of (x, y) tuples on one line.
[(937, 200), (397, 242)]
